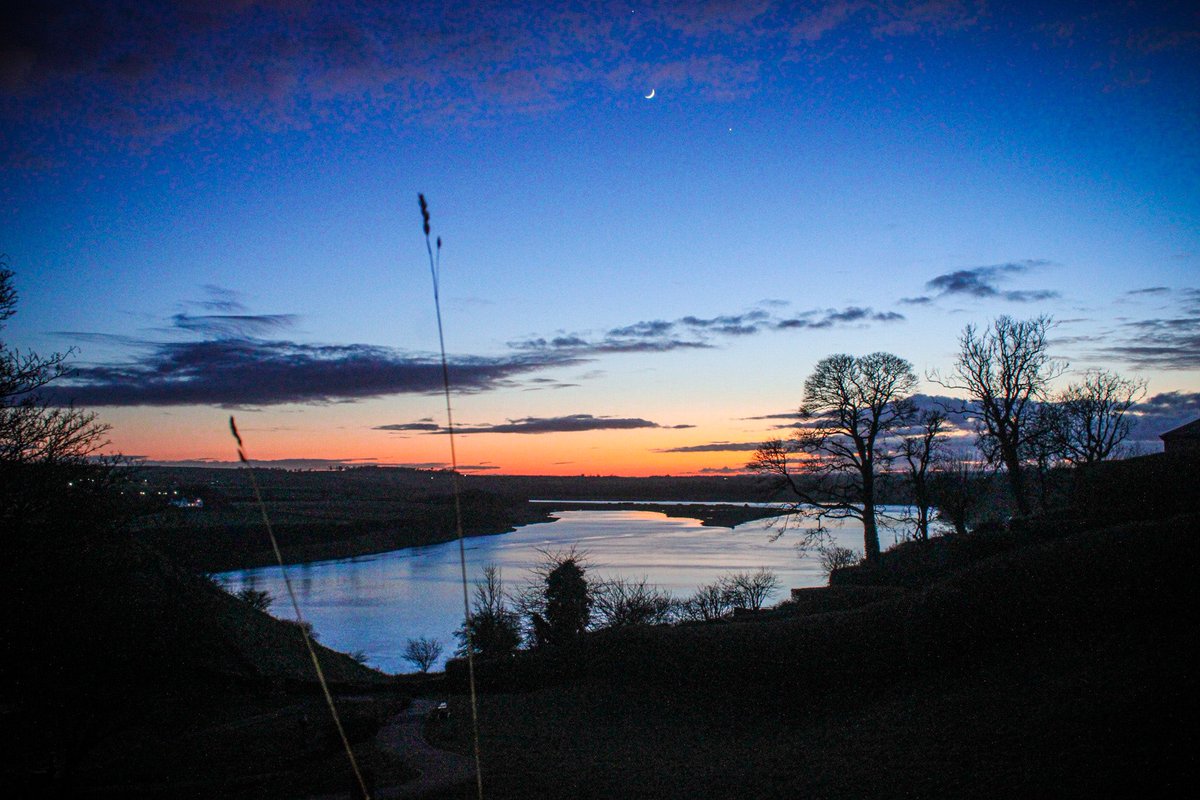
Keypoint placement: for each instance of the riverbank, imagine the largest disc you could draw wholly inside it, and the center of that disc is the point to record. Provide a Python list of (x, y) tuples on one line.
[(718, 515), (210, 520), (316, 516)]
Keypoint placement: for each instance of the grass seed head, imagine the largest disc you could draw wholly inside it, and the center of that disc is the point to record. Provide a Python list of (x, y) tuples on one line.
[(424, 211)]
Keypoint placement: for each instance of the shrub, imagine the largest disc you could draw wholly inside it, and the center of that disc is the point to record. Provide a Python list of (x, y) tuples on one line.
[(557, 599), (751, 589), (256, 598), (305, 627), (710, 602), (422, 653), (494, 629), (834, 558), (621, 602)]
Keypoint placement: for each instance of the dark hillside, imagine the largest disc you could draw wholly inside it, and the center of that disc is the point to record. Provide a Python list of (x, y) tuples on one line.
[(1151, 486), (1053, 668), (103, 635)]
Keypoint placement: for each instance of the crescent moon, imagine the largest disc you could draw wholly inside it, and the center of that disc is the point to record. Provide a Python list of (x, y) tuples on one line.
[(651, 95)]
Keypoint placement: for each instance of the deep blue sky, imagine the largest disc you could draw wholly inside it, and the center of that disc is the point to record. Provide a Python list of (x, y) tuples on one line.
[(215, 202)]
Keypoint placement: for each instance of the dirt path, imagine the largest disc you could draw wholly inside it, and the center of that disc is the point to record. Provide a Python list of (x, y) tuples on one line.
[(440, 769)]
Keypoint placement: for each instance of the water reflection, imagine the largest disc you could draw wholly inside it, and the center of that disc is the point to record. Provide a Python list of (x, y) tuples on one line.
[(375, 603)]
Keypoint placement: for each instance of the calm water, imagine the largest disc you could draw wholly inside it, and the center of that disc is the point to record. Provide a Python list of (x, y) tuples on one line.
[(375, 603)]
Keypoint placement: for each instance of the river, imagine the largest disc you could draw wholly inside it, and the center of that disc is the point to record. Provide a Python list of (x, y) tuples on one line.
[(373, 604)]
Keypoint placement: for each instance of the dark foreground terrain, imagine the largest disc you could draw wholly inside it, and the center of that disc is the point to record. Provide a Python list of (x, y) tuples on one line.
[(1035, 665), (1048, 658), (126, 676)]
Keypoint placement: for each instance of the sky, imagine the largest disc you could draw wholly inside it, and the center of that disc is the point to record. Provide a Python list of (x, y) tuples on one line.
[(214, 202)]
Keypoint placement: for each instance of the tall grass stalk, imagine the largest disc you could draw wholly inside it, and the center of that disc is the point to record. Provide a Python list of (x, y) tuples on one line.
[(435, 268), (287, 581)]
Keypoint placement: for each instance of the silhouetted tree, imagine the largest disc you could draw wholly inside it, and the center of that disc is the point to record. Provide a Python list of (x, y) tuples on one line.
[(557, 599), (1006, 369), (920, 450), (958, 489), (711, 601), (256, 598), (45, 449), (832, 464), (568, 601), (1088, 421), (621, 602), (422, 653), (833, 558), (751, 589), (494, 629)]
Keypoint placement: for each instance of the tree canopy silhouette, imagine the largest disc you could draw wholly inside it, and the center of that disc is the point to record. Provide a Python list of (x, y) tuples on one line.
[(43, 446), (852, 408), (1006, 368)]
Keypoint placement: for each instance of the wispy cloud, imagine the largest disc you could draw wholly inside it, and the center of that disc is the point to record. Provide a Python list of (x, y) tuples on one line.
[(233, 324), (983, 282), (220, 299), (571, 423), (1167, 342), (695, 332), (246, 359), (425, 425), (714, 447), (144, 73), (278, 463), (828, 318)]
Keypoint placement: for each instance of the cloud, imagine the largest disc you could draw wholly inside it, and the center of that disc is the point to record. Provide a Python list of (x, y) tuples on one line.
[(981, 282), (929, 16), (1163, 412), (818, 320), (232, 324), (724, 471), (539, 384), (235, 365), (1168, 342), (572, 423), (957, 410), (714, 447), (143, 73), (694, 332), (219, 299), (251, 372), (782, 415), (423, 426), (279, 463)]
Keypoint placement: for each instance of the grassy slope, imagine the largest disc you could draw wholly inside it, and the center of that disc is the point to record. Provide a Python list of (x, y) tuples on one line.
[(1052, 669), (123, 669)]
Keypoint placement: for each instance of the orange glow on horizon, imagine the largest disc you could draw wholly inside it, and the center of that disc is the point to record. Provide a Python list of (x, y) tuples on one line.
[(633, 453)]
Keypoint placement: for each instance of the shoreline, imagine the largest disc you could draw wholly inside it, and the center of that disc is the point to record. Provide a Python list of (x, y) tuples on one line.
[(709, 515), (719, 514)]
